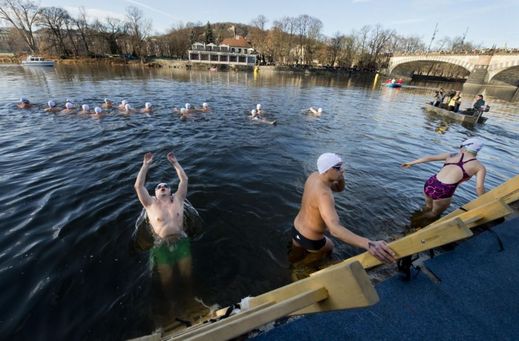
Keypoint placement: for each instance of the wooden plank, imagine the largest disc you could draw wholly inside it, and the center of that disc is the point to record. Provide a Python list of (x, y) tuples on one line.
[(243, 324), (480, 215), (419, 241), (199, 328), (348, 286), (508, 191)]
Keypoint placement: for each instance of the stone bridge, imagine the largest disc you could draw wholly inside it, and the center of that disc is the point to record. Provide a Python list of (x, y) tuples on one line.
[(482, 69)]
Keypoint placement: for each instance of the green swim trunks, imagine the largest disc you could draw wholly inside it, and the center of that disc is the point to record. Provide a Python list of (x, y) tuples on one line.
[(170, 253)]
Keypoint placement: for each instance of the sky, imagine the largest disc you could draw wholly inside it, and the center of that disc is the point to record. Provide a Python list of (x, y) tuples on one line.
[(487, 22)]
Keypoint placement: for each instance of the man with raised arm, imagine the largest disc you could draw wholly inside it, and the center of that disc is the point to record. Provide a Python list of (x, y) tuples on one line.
[(318, 213)]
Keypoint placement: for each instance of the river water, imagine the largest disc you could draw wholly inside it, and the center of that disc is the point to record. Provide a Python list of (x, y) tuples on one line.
[(69, 207)]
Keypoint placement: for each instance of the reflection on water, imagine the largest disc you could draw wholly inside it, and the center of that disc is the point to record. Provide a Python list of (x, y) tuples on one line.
[(68, 204)]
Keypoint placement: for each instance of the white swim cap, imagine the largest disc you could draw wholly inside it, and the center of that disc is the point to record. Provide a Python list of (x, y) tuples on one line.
[(253, 112), (69, 105), (327, 161), (51, 104), (187, 106), (69, 100), (472, 145), (107, 100), (258, 106), (124, 102), (204, 105), (24, 100), (147, 105), (98, 110), (127, 106), (320, 110), (85, 107)]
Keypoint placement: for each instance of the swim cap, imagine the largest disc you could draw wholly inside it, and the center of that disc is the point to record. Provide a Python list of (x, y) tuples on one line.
[(85, 107), (127, 106), (204, 105), (107, 100), (24, 100), (253, 112), (124, 102), (69, 105), (320, 110), (188, 106), (98, 110), (51, 104), (327, 161), (147, 105), (69, 100), (472, 145), (258, 106)]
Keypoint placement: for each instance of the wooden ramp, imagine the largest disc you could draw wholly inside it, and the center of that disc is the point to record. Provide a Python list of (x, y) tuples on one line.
[(346, 286), (454, 226)]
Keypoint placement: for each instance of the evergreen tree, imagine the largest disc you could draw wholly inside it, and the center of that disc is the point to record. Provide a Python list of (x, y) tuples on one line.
[(209, 36)]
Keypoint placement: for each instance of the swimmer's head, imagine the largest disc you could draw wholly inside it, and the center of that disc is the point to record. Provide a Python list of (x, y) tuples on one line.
[(162, 189), (183, 111), (124, 102), (187, 106), (320, 110), (69, 100), (127, 107), (51, 104), (69, 105), (204, 105), (107, 101), (258, 106), (329, 161), (85, 107), (253, 112), (472, 145), (24, 100), (98, 110), (147, 105)]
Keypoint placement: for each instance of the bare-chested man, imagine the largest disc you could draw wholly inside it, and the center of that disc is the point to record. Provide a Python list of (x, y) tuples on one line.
[(318, 213), (165, 212)]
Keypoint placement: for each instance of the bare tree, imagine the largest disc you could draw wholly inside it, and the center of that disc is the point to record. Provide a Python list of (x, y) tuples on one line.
[(22, 14), (259, 22), (53, 19), (83, 28), (138, 29)]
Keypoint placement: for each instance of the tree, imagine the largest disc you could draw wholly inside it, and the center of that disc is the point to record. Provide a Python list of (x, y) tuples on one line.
[(209, 35), (22, 14), (53, 19), (83, 28), (138, 29)]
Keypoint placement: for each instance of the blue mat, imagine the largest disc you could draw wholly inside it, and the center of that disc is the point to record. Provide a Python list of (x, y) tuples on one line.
[(477, 299)]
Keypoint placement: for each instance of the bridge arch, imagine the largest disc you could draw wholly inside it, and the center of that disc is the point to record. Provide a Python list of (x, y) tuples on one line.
[(456, 60), (508, 75)]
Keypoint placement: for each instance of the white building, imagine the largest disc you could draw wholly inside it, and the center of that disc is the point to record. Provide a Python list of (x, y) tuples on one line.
[(232, 51)]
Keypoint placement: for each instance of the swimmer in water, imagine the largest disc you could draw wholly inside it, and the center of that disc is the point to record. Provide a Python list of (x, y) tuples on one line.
[(128, 109), (254, 115), (52, 107), (122, 106), (204, 108), (85, 109), (98, 112), (315, 112), (148, 108), (24, 103), (107, 104), (69, 109)]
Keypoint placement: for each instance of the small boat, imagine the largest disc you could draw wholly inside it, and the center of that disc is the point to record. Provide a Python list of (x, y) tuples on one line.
[(460, 116), (393, 85), (37, 61)]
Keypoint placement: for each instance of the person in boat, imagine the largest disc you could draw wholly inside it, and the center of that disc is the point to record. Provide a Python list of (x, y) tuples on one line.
[(479, 105), (122, 106), (85, 109), (52, 107), (318, 214), (24, 103), (438, 98), (165, 211), (455, 101), (457, 168), (315, 112), (148, 108), (107, 104), (69, 108)]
